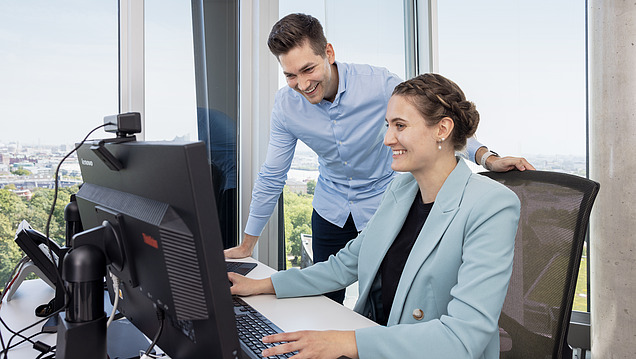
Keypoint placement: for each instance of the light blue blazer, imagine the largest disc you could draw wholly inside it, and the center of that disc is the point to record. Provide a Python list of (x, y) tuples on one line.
[(450, 295)]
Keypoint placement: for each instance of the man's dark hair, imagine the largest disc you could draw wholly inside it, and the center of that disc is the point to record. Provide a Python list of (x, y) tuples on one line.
[(292, 30)]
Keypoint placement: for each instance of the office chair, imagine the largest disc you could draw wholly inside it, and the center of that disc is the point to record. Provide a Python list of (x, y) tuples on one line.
[(555, 209)]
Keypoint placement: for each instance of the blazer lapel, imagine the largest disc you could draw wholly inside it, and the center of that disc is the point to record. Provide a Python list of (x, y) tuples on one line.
[(382, 232), (446, 205)]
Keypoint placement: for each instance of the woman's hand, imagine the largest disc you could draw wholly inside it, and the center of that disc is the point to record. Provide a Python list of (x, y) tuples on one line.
[(244, 286), (314, 344)]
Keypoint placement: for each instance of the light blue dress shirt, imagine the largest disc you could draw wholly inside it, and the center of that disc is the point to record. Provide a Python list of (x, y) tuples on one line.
[(347, 135)]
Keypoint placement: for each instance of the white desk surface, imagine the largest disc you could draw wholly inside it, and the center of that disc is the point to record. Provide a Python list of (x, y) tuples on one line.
[(20, 312), (292, 314), (317, 313)]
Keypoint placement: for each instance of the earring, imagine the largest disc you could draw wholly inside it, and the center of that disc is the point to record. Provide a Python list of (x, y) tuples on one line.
[(439, 143)]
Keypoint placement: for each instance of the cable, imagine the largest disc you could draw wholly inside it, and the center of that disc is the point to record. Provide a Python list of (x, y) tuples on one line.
[(14, 334), (18, 333), (116, 303), (161, 316), (48, 244), (48, 221)]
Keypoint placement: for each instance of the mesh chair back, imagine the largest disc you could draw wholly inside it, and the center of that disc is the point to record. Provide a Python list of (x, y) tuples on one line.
[(555, 210)]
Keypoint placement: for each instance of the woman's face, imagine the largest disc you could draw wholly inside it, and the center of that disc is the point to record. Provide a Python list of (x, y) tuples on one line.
[(413, 142)]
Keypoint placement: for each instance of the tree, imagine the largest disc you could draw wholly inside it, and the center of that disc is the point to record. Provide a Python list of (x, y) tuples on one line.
[(21, 172), (298, 211), (11, 208), (311, 187), (14, 209), (10, 253)]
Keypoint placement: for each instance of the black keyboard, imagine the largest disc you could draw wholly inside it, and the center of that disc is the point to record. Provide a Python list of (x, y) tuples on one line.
[(240, 267), (252, 326)]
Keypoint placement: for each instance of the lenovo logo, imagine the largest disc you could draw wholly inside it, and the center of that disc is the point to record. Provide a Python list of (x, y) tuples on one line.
[(87, 162), (149, 240)]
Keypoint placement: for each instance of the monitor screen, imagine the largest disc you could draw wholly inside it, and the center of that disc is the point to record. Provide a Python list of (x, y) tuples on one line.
[(171, 254)]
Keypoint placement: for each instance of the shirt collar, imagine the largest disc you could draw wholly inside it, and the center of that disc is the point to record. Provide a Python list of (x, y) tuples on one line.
[(342, 74)]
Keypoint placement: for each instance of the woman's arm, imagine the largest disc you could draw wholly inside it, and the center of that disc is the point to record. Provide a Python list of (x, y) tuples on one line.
[(244, 286), (314, 344)]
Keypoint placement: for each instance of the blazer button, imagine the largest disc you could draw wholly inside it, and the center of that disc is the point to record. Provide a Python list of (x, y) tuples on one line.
[(418, 314)]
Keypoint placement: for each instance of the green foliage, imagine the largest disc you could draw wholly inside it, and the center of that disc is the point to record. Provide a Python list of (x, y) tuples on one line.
[(311, 187), (298, 210), (10, 253), (14, 209), (21, 172)]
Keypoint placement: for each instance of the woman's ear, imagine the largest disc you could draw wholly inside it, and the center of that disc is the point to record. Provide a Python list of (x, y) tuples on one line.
[(445, 127)]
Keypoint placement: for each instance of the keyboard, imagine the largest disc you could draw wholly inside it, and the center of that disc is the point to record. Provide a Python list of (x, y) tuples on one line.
[(240, 267), (252, 326)]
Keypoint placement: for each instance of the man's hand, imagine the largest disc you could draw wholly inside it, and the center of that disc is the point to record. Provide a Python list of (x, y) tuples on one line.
[(244, 250), (314, 344), (504, 164)]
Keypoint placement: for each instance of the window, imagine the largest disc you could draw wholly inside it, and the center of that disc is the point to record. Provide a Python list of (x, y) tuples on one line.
[(59, 74), (356, 39), (523, 64), (169, 62), (59, 70)]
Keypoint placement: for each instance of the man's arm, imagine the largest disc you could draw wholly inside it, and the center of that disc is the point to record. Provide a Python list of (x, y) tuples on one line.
[(269, 184), (493, 162)]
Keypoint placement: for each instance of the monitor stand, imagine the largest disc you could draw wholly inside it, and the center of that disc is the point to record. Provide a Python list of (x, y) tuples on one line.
[(125, 341)]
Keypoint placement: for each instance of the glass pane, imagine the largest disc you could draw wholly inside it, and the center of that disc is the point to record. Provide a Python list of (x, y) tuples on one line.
[(523, 64), (169, 63), (59, 78), (356, 39), (215, 53)]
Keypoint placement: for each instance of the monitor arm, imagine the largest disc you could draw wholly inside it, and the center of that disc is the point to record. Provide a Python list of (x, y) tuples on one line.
[(82, 327)]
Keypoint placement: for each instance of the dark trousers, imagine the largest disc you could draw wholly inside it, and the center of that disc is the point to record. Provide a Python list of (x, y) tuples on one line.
[(328, 239)]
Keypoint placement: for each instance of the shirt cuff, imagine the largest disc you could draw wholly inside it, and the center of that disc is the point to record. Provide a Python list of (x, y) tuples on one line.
[(254, 226), (472, 145)]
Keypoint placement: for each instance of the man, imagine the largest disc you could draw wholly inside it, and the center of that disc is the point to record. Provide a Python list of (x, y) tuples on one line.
[(338, 110)]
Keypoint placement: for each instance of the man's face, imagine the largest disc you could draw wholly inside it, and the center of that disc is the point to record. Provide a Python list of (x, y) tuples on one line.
[(309, 74)]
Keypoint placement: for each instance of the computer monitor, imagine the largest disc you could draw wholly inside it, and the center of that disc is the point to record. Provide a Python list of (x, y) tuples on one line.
[(170, 254)]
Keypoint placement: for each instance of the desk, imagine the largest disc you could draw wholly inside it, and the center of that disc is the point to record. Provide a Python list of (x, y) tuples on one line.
[(291, 314), (20, 312)]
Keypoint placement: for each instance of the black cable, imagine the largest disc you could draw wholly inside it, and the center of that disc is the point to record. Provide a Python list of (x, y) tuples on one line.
[(48, 221), (2, 339), (44, 349), (18, 333), (41, 356), (161, 316), (14, 334), (48, 243)]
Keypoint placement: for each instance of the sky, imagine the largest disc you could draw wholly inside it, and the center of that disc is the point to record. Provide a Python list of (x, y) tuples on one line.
[(521, 62)]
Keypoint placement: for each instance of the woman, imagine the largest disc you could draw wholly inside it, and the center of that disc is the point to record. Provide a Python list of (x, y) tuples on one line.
[(434, 262)]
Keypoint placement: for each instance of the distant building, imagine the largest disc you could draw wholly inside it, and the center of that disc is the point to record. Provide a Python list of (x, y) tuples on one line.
[(25, 193), (296, 186)]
